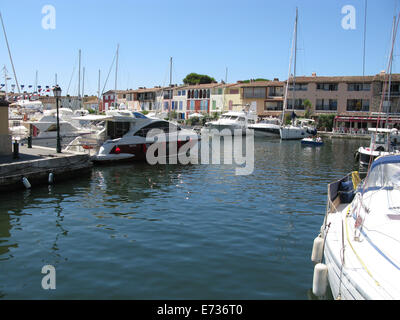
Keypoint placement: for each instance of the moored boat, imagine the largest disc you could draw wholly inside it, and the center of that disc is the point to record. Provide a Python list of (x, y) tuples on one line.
[(383, 142), (358, 248), (129, 135), (314, 141)]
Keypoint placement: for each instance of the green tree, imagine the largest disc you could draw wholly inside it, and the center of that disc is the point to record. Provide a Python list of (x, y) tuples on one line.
[(194, 78), (307, 105), (325, 121)]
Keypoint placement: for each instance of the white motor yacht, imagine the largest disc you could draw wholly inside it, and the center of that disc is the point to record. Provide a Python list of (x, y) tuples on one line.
[(128, 135), (46, 126), (299, 129), (232, 121), (358, 248), (269, 127)]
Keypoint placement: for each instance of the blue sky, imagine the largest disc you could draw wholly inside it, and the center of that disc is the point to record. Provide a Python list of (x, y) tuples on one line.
[(251, 38)]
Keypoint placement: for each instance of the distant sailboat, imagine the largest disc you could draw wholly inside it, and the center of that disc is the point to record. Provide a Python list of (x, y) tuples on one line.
[(300, 128)]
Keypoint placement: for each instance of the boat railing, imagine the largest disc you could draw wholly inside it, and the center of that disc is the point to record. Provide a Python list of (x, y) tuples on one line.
[(342, 191)]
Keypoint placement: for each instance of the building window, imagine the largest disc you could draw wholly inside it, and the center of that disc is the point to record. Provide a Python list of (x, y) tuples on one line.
[(358, 105), (254, 93), (192, 105), (214, 105), (273, 105), (275, 91), (299, 87), (234, 91), (183, 92), (179, 92), (196, 94), (358, 87), (180, 105), (219, 91), (326, 105), (327, 86), (298, 104)]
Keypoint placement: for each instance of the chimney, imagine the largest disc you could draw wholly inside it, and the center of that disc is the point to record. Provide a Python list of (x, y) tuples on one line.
[(383, 72), (276, 79), (314, 74)]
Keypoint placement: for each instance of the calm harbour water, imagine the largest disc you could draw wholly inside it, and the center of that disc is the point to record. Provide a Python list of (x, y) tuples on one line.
[(136, 231)]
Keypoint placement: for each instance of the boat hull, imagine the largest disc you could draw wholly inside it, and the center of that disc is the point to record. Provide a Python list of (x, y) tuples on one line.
[(312, 143), (295, 133), (265, 131)]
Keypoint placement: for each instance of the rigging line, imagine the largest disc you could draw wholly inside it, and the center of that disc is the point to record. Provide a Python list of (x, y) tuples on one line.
[(9, 53), (384, 89), (365, 35), (72, 75), (358, 257), (109, 72)]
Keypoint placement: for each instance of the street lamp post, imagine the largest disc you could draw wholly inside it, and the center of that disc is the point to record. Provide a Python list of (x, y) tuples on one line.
[(57, 94)]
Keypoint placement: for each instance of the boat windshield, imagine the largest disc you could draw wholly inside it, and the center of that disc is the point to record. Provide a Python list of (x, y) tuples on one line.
[(386, 175), (380, 138)]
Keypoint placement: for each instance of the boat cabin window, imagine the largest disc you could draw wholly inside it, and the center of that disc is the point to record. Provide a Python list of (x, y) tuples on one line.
[(139, 115), (383, 176), (117, 129), (234, 117), (380, 138), (251, 121), (166, 127), (241, 119)]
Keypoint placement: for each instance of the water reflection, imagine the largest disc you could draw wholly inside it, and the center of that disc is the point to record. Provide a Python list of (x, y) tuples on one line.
[(135, 230)]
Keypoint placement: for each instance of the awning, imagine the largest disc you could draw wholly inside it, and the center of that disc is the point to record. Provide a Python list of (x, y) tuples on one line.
[(366, 119)]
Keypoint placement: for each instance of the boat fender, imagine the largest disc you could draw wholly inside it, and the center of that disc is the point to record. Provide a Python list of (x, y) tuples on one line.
[(357, 156), (316, 255), (320, 279), (26, 183), (51, 178)]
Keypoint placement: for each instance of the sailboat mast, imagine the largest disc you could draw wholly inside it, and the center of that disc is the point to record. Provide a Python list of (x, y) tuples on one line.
[(79, 76), (83, 82), (394, 30), (9, 53), (116, 70), (295, 57), (98, 90), (289, 73), (170, 71), (5, 81)]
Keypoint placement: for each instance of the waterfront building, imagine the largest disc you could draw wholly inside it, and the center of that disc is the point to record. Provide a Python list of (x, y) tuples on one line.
[(179, 102), (218, 97), (114, 99), (233, 99), (266, 97), (198, 98), (354, 100), (148, 99)]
